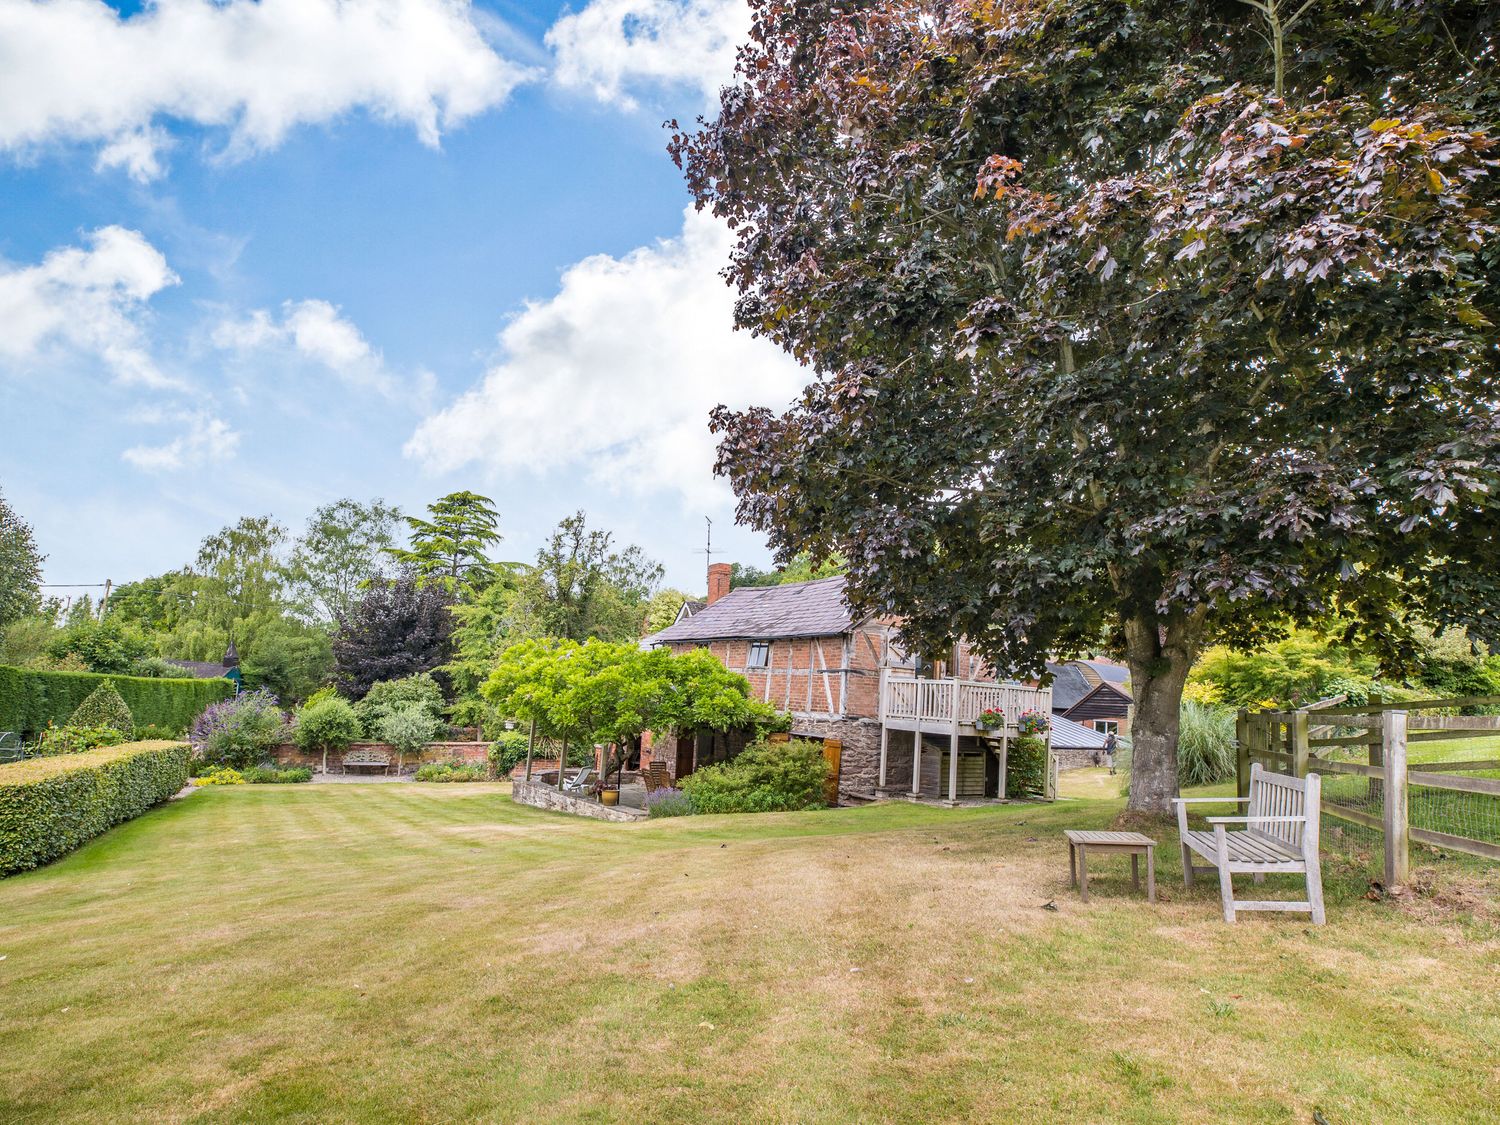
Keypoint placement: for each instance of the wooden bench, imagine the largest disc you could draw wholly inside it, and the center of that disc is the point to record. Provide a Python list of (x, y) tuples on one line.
[(365, 756), (1280, 837)]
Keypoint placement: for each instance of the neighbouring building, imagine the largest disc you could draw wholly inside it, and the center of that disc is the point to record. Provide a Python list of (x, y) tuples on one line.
[(228, 668), (895, 728), (1093, 693)]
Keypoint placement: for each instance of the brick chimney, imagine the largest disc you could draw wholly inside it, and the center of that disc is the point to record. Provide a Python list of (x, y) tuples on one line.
[(718, 581)]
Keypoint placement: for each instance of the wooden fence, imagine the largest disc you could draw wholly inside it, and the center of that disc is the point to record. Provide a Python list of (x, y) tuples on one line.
[(1454, 812)]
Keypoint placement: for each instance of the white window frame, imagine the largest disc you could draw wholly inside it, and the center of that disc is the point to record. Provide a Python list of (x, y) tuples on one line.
[(1107, 726), (762, 648)]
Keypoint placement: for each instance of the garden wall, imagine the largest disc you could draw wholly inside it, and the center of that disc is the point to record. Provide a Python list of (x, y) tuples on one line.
[(30, 699), (548, 797), (469, 752)]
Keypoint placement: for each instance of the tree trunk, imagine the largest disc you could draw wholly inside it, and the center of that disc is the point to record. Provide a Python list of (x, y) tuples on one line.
[(1160, 659)]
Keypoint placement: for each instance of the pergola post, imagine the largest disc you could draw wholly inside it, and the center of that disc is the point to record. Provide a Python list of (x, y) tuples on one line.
[(530, 747), (562, 765)]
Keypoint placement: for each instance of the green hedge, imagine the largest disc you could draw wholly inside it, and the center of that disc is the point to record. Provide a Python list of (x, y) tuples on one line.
[(30, 699), (48, 806)]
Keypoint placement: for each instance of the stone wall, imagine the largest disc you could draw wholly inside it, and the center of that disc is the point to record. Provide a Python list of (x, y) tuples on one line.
[(1076, 757), (547, 797), (474, 753)]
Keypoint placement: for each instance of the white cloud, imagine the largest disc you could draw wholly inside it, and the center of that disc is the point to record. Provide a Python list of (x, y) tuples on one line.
[(616, 374), (89, 300), (613, 49), (75, 70), (315, 331), (204, 440)]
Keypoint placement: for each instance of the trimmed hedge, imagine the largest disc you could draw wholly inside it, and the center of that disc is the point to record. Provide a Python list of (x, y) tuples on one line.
[(49, 806), (30, 699)]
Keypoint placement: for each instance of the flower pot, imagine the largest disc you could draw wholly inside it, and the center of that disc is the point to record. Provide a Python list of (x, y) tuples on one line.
[(609, 797)]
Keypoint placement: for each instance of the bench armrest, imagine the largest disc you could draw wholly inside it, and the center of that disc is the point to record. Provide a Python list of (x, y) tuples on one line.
[(1202, 800), (1255, 819)]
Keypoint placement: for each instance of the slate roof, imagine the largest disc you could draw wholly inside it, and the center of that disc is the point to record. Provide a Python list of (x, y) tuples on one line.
[(201, 669), (799, 609), (1068, 735), (1068, 685)]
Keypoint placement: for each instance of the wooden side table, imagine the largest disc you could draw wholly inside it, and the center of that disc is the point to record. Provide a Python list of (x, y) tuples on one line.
[(1132, 844)]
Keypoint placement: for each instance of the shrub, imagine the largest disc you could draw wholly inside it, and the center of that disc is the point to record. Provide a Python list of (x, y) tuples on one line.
[(1205, 744), (450, 771), (389, 696), (507, 752), (220, 775), (108, 645), (240, 731), (1026, 767), (409, 729), (668, 802), (104, 707), (75, 740), (766, 777), (156, 668), (270, 775), (329, 724), (48, 806), (31, 698)]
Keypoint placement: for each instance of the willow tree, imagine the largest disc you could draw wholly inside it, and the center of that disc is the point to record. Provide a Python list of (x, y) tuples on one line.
[(1133, 325)]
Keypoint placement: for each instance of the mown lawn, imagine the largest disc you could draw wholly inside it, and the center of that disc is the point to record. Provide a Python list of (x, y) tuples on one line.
[(437, 953)]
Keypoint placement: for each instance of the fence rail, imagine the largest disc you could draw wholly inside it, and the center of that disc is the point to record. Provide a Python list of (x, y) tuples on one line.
[(1387, 794)]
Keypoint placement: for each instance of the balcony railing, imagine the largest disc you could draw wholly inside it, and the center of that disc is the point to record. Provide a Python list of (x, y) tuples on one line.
[(939, 705)]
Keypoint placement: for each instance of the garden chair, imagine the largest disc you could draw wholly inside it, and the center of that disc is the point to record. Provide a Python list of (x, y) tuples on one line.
[(1280, 837), (579, 782)]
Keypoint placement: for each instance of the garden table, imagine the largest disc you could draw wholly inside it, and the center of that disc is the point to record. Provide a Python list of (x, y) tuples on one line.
[(1132, 844)]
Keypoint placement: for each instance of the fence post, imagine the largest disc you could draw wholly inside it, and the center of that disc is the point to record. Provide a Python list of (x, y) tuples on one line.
[(1300, 748), (1242, 753), (1393, 751)]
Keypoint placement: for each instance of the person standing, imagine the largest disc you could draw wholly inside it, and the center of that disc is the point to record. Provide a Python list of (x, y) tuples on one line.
[(1109, 751)]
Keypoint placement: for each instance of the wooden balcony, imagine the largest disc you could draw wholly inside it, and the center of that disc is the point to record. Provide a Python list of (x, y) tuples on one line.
[(951, 706)]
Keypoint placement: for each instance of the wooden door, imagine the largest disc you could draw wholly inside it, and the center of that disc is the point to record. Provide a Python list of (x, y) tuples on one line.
[(833, 754), (685, 746)]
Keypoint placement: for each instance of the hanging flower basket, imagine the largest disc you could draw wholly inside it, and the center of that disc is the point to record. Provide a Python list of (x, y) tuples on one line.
[(993, 719)]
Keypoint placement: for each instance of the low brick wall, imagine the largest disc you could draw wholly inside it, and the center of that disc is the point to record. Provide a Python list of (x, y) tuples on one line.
[(548, 797), (288, 754)]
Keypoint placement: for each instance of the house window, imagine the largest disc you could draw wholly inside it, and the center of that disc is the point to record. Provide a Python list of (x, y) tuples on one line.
[(760, 655), (1107, 726)]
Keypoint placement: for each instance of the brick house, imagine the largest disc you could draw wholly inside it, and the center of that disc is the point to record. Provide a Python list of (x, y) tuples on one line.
[(846, 681)]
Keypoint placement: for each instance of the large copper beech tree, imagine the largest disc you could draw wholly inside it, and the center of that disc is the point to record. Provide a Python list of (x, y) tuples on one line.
[(1133, 324)]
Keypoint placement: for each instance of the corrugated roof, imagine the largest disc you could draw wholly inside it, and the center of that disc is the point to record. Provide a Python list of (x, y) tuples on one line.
[(799, 609), (1108, 670), (1068, 735)]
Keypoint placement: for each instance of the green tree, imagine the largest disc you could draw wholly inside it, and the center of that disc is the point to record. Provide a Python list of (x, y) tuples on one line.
[(389, 696), (1123, 328), (409, 728), (288, 658), (327, 724), (344, 549), (237, 585), (452, 548), (20, 567), (581, 587), (663, 608), (109, 646), (598, 692)]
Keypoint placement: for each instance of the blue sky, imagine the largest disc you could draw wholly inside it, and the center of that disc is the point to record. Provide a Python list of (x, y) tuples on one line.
[(255, 256)]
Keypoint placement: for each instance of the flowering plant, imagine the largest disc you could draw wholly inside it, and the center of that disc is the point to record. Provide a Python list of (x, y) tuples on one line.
[(1033, 722), (991, 719), (239, 731)]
